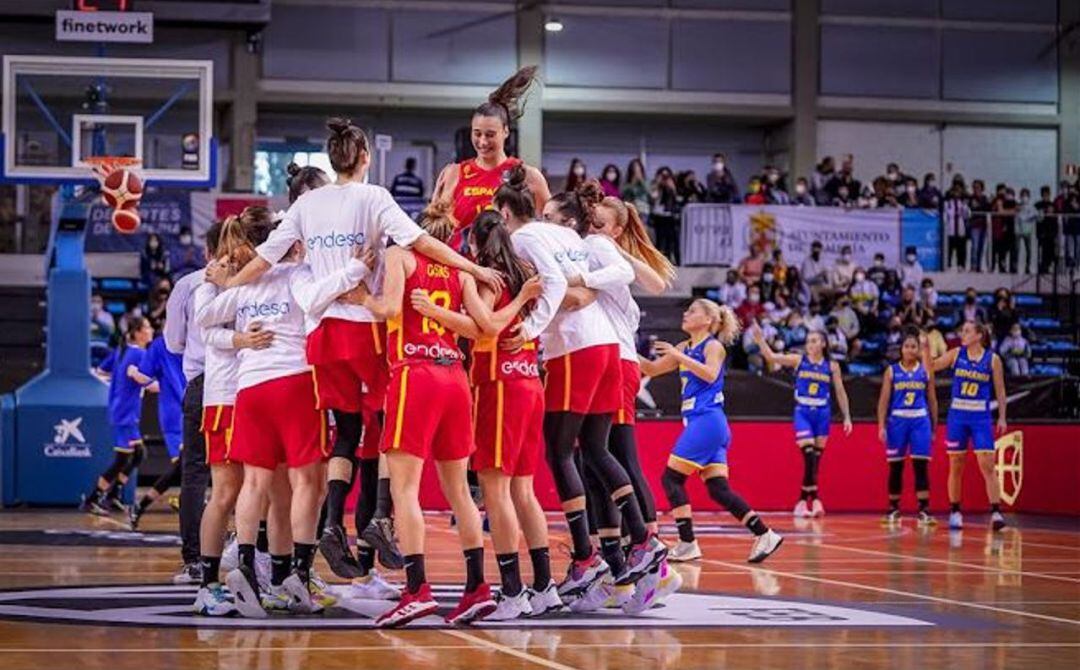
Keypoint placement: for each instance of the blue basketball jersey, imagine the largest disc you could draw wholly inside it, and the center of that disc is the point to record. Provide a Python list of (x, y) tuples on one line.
[(972, 382), (909, 391), (813, 383), (699, 395)]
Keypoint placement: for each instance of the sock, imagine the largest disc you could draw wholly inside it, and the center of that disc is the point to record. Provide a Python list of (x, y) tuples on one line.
[(414, 572), (807, 494), (924, 503), (383, 499), (756, 525), (337, 491), (541, 563), (474, 568), (303, 555), (579, 530), (995, 508), (611, 549), (262, 543), (280, 567), (144, 503), (211, 566), (247, 556), (685, 525), (510, 573), (631, 513), (365, 555), (954, 507)]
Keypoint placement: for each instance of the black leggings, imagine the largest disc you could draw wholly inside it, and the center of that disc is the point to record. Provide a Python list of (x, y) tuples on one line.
[(623, 446), (369, 486), (168, 478)]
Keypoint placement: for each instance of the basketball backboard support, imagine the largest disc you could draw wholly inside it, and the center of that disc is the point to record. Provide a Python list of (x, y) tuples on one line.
[(59, 111)]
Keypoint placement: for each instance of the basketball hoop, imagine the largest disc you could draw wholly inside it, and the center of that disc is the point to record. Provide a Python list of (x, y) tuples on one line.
[(103, 166), (121, 188)]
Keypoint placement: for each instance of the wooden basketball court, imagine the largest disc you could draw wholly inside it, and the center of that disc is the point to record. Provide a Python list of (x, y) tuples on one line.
[(843, 592)]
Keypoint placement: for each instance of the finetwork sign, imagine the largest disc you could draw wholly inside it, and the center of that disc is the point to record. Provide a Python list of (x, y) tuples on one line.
[(72, 26)]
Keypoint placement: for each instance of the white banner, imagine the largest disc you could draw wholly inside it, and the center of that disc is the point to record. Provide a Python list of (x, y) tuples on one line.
[(132, 27), (707, 237), (793, 229)]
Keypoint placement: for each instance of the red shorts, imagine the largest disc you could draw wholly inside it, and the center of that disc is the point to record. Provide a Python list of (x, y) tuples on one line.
[(348, 360), (631, 384), (429, 412), (586, 381), (277, 422), (217, 430), (509, 418), (369, 444)]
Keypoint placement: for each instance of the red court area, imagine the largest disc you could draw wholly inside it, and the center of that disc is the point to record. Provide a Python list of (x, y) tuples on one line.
[(766, 468)]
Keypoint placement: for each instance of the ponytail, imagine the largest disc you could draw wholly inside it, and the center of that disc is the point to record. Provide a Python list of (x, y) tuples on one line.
[(504, 102), (515, 195), (494, 250), (634, 238), (723, 324), (438, 220), (241, 234)]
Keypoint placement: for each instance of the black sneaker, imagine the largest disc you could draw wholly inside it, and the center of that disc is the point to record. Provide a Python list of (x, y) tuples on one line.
[(334, 545), (380, 534), (92, 504), (134, 515), (114, 504)]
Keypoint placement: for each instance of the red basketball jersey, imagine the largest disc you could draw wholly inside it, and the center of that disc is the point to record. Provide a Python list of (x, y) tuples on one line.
[(490, 363), (476, 187), (414, 337)]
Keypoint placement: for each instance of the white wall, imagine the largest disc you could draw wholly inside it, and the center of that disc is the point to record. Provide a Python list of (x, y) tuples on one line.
[(916, 147)]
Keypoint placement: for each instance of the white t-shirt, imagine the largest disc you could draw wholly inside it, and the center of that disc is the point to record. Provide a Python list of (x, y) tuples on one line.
[(332, 221), (558, 253), (279, 300), (611, 275), (220, 360)]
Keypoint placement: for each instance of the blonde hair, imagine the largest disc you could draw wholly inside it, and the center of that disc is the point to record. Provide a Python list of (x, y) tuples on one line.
[(635, 238), (438, 220), (240, 234), (723, 324)]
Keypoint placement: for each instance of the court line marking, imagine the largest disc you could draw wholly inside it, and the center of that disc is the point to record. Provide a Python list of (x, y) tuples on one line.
[(895, 592), (517, 653), (962, 564)]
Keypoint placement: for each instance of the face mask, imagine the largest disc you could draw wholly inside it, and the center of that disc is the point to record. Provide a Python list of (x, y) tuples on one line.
[(800, 189), (859, 276), (731, 280), (842, 193), (845, 257), (929, 184), (893, 176), (718, 166), (754, 298), (878, 263), (610, 176), (911, 190), (911, 258), (152, 245), (185, 239), (579, 171), (767, 277), (815, 254), (773, 178)]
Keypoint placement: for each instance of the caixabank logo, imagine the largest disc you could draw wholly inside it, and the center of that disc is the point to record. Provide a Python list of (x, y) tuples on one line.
[(67, 441), (171, 606)]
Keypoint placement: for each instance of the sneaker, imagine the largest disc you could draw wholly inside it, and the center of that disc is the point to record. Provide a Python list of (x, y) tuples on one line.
[(580, 575), (618, 595), (892, 518), (642, 558), (134, 515), (93, 505), (956, 521), (304, 597), (646, 593), (230, 557), (684, 551), (214, 600), (816, 508), (276, 599), (926, 520), (263, 569), (670, 582), (191, 573), (334, 545), (802, 510), (592, 598), (411, 606), (242, 584), (380, 534), (547, 600), (765, 546), (511, 607), (174, 503), (473, 606), (113, 504), (320, 591), (373, 587), (997, 521)]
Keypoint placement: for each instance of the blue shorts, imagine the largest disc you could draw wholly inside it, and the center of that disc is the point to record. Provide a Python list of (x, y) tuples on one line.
[(126, 436), (172, 429), (174, 442), (979, 429), (812, 422), (705, 439), (904, 435)]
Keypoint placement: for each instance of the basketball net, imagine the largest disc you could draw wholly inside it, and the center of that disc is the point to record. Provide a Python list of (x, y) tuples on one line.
[(103, 166)]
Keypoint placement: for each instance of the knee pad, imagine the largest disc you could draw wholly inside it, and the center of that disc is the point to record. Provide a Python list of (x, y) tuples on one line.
[(607, 470), (896, 477), (137, 456), (922, 474), (120, 460), (674, 484), (349, 427)]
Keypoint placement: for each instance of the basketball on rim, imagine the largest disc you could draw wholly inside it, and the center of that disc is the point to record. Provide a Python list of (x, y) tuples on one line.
[(126, 219), (121, 187)]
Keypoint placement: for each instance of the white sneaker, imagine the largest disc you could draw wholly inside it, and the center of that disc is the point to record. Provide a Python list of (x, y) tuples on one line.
[(373, 587), (892, 519), (191, 573), (816, 508), (583, 575), (619, 595), (802, 511), (248, 602), (684, 551), (214, 600), (997, 521), (277, 599), (542, 602), (764, 546), (511, 607), (230, 558), (956, 521), (301, 592), (592, 599), (670, 582), (646, 593)]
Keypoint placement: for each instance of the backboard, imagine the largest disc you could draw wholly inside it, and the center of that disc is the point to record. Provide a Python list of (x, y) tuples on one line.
[(59, 111)]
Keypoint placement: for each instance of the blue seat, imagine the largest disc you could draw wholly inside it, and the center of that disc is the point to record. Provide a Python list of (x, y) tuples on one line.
[(1028, 300), (860, 369)]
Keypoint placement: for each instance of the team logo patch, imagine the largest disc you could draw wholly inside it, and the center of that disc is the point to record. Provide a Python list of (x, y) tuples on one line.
[(171, 606), (1009, 452)]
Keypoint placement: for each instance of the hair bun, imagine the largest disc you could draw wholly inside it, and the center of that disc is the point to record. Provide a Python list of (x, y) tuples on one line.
[(339, 124), (590, 193), (515, 176), (292, 169)]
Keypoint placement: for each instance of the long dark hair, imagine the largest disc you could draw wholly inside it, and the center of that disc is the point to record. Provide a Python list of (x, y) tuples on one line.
[(504, 101), (494, 250), (515, 195)]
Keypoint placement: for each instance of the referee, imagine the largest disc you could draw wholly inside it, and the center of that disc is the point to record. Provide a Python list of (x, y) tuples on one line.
[(182, 336)]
